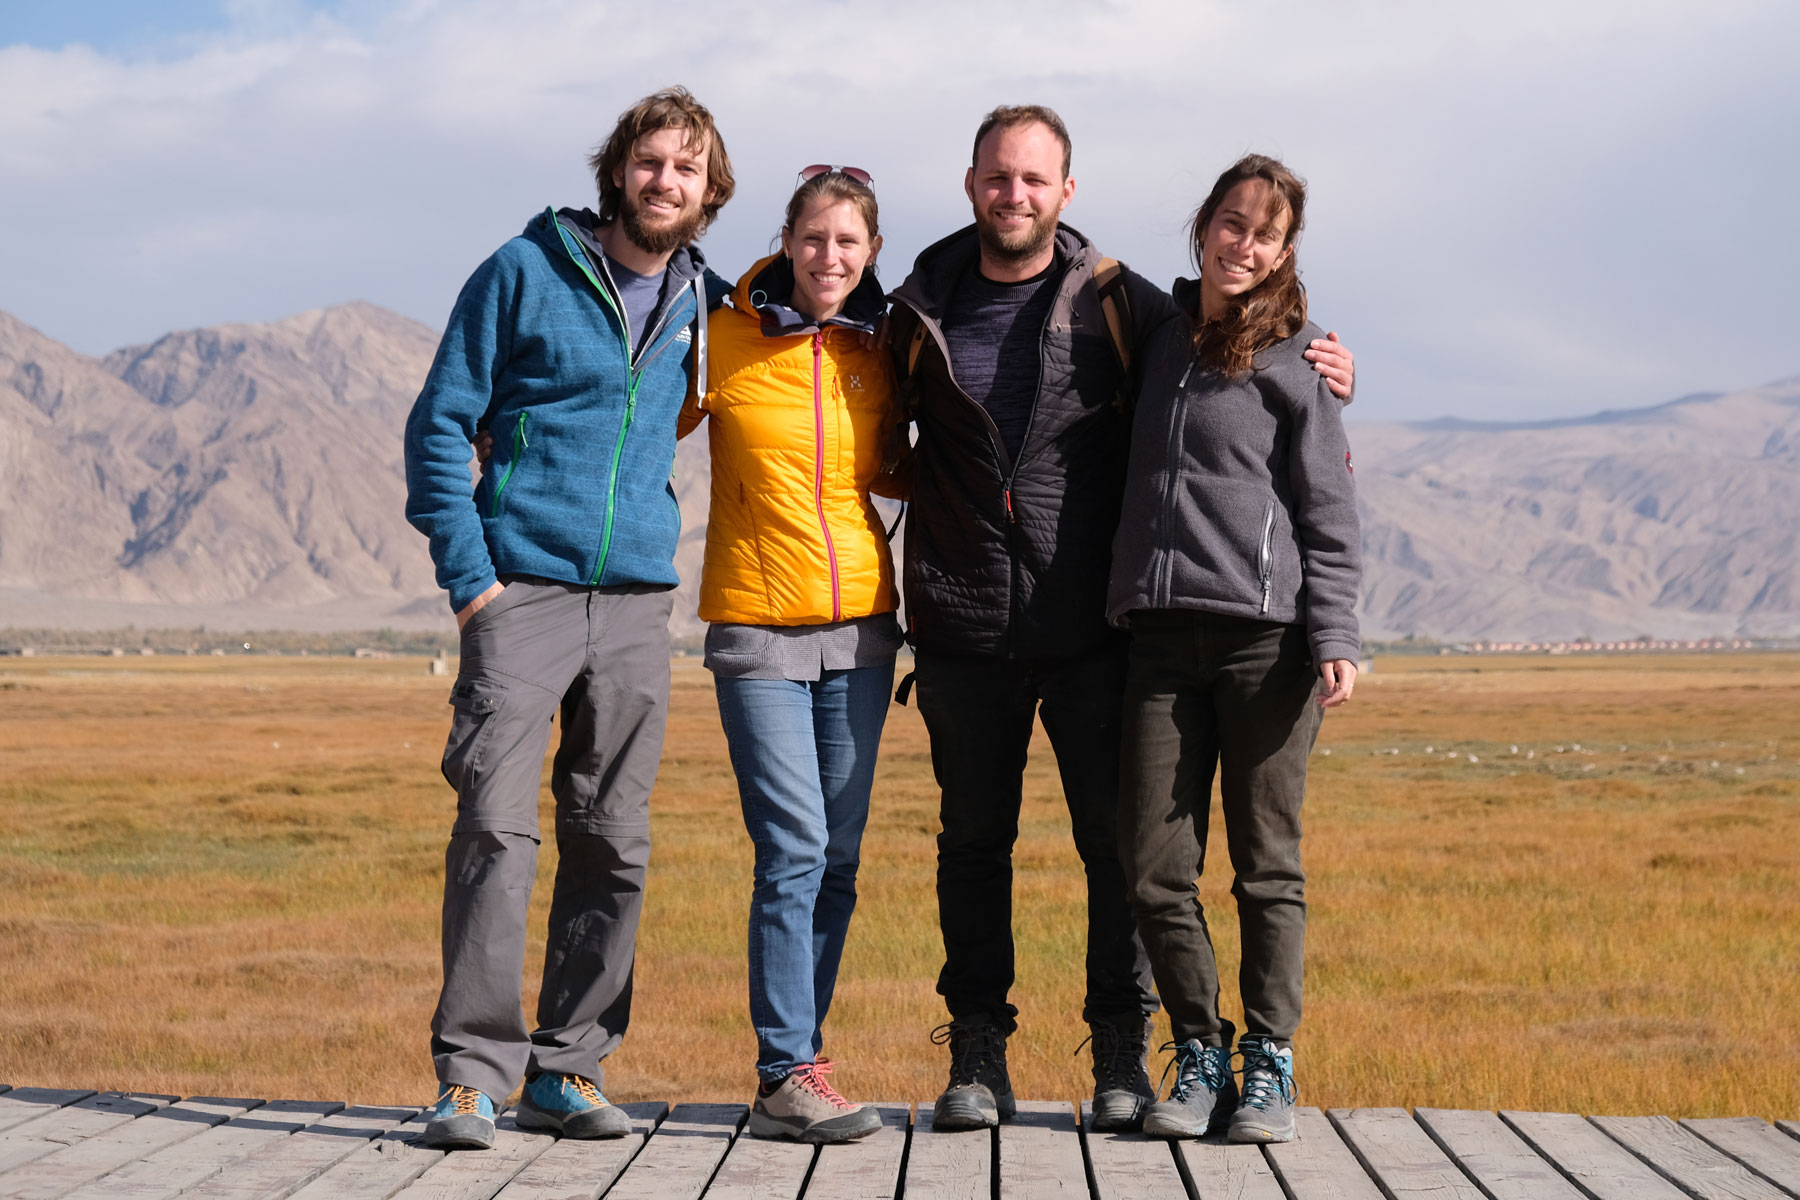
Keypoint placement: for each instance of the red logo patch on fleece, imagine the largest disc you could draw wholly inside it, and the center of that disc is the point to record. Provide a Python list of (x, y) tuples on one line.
[(1348, 465)]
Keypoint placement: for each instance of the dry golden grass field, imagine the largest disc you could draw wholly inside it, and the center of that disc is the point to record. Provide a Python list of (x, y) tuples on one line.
[(222, 876)]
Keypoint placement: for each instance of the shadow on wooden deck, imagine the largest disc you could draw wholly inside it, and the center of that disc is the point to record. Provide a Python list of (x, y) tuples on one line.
[(118, 1146)]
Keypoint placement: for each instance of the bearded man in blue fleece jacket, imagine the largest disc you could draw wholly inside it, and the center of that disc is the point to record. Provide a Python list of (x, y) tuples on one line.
[(573, 346)]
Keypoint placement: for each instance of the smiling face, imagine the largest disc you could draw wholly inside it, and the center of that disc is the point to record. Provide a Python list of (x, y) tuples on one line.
[(1245, 240), (1018, 191), (663, 186), (830, 246)]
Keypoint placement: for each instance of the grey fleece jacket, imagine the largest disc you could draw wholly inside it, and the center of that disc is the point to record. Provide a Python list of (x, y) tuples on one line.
[(1239, 498)]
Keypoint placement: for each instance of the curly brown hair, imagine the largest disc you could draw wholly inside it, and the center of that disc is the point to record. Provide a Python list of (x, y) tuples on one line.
[(1275, 309), (671, 108)]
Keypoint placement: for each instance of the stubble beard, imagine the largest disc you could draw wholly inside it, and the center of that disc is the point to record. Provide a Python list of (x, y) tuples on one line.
[(660, 239), (1021, 245)]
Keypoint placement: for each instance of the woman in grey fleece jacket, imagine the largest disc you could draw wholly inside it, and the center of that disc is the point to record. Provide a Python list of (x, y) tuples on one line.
[(1236, 569)]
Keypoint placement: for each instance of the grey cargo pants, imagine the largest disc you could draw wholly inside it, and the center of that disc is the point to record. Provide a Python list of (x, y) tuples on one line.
[(599, 657)]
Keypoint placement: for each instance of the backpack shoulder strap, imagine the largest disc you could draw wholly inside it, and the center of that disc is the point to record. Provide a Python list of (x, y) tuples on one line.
[(1115, 305), (915, 346)]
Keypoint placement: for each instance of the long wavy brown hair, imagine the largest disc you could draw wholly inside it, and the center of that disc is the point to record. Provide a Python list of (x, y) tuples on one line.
[(1275, 309)]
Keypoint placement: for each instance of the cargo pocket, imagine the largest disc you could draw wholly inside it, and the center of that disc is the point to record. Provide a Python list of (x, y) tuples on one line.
[(470, 730)]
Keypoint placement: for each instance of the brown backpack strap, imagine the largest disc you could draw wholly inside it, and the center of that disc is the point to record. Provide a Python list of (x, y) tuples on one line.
[(1115, 305), (915, 346)]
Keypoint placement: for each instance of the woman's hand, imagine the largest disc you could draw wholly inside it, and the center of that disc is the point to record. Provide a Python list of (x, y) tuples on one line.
[(484, 446), (1332, 359), (1339, 675)]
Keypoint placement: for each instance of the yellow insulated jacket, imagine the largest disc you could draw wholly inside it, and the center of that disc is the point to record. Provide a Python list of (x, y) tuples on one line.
[(800, 416)]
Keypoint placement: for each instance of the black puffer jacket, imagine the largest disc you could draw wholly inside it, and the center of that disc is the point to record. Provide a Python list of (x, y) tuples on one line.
[(1010, 558)]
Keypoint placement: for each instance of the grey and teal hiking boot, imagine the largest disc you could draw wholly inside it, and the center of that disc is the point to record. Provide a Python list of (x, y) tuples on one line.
[(1203, 1096), (1122, 1088), (979, 1095), (1267, 1111), (571, 1105), (461, 1119)]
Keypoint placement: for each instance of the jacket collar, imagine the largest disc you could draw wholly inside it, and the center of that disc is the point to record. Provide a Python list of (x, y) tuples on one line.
[(684, 265), (767, 289), (941, 266)]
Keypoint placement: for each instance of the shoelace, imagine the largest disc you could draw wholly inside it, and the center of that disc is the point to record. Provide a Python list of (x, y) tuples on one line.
[(975, 1049), (1192, 1066), (1116, 1057), (1267, 1078), (812, 1078), (464, 1101), (584, 1087)]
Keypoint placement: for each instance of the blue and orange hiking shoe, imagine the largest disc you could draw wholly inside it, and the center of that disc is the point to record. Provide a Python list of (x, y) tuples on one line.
[(1267, 1111), (571, 1105), (461, 1119)]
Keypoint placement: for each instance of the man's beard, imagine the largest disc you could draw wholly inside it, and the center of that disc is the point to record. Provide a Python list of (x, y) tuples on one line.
[(1019, 245), (661, 239)]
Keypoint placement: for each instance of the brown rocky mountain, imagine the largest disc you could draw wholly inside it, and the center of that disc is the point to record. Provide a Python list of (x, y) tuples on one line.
[(250, 476)]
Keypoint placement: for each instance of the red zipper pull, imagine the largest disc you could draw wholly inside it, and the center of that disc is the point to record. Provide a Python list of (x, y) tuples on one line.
[(1010, 519)]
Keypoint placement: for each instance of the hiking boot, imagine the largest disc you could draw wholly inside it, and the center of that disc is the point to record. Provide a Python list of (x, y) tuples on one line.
[(1267, 1111), (1122, 1088), (1203, 1097), (571, 1105), (461, 1119), (979, 1094), (804, 1108)]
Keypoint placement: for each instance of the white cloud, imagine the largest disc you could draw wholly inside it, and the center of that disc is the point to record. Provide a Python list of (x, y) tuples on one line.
[(1518, 210)]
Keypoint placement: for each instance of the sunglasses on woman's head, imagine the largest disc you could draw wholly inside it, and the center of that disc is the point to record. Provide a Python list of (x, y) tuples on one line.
[(808, 174)]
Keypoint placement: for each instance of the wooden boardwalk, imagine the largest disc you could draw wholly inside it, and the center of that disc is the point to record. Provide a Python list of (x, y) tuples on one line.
[(127, 1146)]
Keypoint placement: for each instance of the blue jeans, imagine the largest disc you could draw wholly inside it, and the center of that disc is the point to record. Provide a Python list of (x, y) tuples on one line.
[(804, 755)]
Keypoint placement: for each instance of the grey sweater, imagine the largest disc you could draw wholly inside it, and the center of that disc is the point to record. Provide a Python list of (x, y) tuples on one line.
[(1239, 497)]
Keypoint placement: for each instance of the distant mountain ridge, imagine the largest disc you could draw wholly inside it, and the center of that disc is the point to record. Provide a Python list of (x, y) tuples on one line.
[(252, 475)]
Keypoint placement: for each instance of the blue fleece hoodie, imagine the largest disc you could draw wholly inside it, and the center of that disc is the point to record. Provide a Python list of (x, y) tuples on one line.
[(536, 352)]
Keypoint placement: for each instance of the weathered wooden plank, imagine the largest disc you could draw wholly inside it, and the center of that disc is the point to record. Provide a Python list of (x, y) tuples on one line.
[(761, 1169), (478, 1176), (1317, 1165), (1401, 1156), (64, 1170), (1129, 1166), (173, 1169), (29, 1103), (1694, 1166), (374, 1170), (1497, 1158), (1040, 1152), (1755, 1143), (1219, 1170), (1791, 1128), (285, 1164), (65, 1126), (868, 1168), (952, 1165), (681, 1156), (1600, 1166), (582, 1169)]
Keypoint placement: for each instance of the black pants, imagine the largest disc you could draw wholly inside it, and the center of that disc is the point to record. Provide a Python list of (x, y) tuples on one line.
[(979, 713), (1210, 692)]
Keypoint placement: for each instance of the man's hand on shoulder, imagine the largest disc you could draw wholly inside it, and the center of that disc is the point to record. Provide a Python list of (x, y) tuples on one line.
[(1332, 359), (478, 603)]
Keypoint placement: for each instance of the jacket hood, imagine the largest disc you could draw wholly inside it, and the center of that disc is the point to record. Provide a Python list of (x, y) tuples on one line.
[(1187, 297), (941, 265), (686, 263), (767, 289)]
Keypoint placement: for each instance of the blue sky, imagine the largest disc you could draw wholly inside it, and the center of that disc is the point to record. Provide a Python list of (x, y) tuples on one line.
[(1536, 209)]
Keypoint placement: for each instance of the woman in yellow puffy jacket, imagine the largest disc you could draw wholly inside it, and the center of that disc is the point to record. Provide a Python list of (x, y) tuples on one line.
[(798, 589)]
